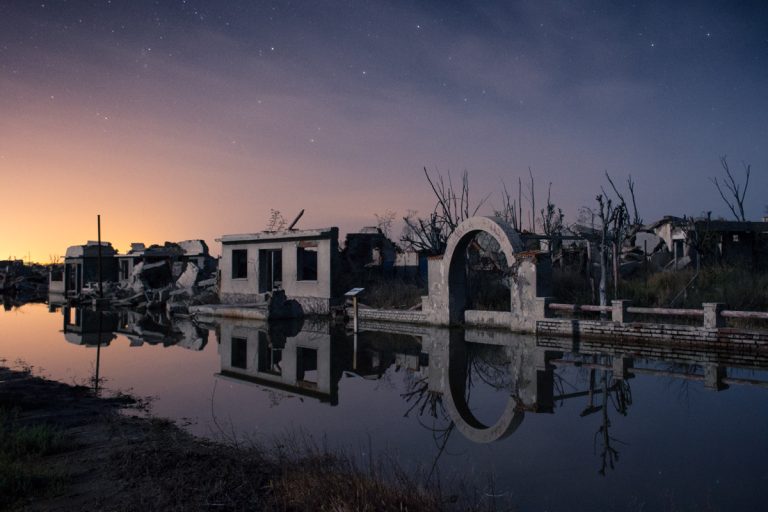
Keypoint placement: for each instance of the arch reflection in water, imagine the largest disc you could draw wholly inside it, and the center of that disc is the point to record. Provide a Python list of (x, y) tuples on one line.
[(311, 357), (455, 356)]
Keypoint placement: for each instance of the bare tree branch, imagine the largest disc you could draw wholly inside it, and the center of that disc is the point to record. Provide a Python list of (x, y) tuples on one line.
[(451, 208), (733, 189)]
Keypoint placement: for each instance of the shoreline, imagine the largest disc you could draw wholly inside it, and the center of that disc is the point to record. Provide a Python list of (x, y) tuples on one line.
[(104, 460)]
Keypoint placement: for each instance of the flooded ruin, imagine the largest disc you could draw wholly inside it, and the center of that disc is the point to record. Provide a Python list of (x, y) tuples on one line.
[(540, 422)]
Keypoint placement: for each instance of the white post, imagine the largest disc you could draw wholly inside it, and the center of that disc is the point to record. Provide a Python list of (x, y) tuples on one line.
[(354, 307), (354, 355)]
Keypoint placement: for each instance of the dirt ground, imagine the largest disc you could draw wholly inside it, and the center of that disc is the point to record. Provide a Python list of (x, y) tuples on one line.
[(112, 461)]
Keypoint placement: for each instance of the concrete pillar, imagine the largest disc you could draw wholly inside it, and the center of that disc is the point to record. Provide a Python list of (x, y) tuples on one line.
[(620, 367), (542, 356), (542, 307), (619, 310), (712, 317), (713, 377)]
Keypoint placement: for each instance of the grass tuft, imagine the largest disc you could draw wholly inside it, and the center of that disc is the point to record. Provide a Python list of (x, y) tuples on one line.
[(21, 447)]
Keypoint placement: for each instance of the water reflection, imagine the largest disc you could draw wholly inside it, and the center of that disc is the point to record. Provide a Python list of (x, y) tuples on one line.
[(306, 357), (91, 327), (482, 384)]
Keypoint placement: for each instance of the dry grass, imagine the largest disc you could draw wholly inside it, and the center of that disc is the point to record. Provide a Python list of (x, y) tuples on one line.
[(168, 470), (737, 287), (115, 462), (21, 449)]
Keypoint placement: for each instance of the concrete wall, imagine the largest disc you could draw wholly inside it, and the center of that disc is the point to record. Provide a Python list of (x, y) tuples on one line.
[(56, 283), (532, 280), (314, 296), (496, 319)]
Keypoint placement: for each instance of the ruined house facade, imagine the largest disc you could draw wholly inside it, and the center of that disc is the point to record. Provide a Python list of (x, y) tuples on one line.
[(370, 251), (81, 266), (714, 241), (302, 263)]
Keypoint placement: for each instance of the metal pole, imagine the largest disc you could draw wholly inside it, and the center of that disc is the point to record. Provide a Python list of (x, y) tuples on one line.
[(101, 288)]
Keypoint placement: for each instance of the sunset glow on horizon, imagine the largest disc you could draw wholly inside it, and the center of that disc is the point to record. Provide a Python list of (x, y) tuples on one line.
[(191, 119)]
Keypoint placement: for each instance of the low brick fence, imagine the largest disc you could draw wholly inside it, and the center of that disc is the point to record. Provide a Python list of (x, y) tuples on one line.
[(596, 329), (392, 315), (622, 324)]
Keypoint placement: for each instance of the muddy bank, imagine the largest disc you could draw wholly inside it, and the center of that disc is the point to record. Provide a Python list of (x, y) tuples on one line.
[(100, 459)]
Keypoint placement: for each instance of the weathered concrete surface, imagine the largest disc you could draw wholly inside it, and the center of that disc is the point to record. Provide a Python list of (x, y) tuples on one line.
[(531, 274), (533, 280), (314, 295), (253, 312), (496, 319), (447, 283), (393, 315)]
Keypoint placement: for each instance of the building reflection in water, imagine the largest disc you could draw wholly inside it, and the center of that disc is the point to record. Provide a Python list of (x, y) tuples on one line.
[(97, 328), (91, 327), (443, 366), (310, 359)]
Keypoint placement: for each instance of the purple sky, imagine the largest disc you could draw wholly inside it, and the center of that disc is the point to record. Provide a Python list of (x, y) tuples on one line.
[(192, 119)]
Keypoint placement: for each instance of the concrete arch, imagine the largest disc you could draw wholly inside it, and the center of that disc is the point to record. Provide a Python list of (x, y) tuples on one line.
[(455, 257)]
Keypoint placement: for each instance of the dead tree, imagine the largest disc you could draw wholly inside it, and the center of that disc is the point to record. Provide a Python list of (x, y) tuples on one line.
[(604, 213), (511, 209), (730, 188), (623, 225), (552, 222), (532, 192), (452, 207), (384, 222)]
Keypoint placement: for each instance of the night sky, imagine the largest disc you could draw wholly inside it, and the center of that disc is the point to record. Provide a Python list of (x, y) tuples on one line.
[(191, 119)]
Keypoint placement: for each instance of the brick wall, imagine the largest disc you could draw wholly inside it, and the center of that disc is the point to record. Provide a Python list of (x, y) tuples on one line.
[(680, 334), (392, 315)]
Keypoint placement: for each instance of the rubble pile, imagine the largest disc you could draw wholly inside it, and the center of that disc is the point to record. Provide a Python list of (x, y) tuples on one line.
[(169, 277), (23, 281), (157, 286)]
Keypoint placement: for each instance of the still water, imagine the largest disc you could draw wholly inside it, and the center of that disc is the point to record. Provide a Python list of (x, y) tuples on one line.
[(556, 424)]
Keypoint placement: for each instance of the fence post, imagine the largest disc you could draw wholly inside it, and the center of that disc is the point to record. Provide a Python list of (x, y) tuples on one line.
[(542, 307), (712, 317), (713, 377), (619, 310)]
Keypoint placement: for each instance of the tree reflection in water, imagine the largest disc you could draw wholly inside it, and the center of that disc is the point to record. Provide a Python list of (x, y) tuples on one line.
[(496, 368), (430, 403)]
